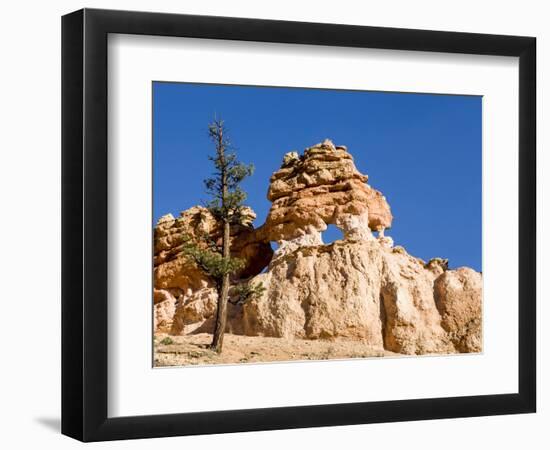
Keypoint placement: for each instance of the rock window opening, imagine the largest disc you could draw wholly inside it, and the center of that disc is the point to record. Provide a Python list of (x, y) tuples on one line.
[(331, 234)]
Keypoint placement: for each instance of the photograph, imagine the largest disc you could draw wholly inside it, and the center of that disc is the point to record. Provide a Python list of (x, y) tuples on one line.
[(275, 225), (305, 224)]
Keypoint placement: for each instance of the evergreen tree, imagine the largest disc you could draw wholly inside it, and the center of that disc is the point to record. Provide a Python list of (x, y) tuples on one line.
[(226, 205)]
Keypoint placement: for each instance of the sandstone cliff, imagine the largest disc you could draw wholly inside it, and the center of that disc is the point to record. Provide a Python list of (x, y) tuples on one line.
[(361, 287)]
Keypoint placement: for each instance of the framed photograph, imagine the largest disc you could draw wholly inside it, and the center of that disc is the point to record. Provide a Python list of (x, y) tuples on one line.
[(273, 224)]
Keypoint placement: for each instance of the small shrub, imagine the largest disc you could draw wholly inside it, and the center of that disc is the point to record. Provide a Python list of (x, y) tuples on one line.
[(167, 341)]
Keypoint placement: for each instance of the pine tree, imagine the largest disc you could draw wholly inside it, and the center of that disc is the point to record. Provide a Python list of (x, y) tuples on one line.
[(226, 205)]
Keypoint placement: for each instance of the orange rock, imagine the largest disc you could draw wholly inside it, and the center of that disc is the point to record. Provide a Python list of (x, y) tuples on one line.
[(317, 188), (360, 287)]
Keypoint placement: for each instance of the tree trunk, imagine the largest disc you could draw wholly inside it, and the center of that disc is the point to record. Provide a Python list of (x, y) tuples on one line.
[(223, 294), (223, 290)]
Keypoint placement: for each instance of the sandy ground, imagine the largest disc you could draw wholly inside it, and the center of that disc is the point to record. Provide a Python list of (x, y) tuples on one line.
[(193, 350)]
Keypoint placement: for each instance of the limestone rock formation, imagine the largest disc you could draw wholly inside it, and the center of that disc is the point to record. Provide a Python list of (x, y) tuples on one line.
[(182, 289), (173, 271), (355, 289), (458, 299), (321, 187), (165, 308), (361, 287)]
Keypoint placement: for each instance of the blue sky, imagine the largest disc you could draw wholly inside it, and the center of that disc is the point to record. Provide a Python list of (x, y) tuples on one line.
[(422, 151)]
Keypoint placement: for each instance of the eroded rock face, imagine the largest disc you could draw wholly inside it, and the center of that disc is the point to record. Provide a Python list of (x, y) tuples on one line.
[(361, 287), (164, 310), (196, 314), (458, 296), (173, 271), (321, 187), (184, 298), (320, 292), (412, 321), (358, 289)]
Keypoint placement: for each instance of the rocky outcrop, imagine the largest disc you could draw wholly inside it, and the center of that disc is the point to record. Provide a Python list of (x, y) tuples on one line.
[(181, 289), (458, 299), (172, 270), (196, 313), (321, 187), (164, 310), (361, 287), (355, 289)]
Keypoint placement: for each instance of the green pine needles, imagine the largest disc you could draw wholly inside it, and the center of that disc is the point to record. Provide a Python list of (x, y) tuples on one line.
[(224, 186), (210, 259), (243, 292)]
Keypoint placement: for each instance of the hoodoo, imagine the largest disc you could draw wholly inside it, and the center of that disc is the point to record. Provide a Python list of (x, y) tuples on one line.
[(361, 287)]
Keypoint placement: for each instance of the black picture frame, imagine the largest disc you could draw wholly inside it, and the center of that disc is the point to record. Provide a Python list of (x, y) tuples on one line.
[(84, 224)]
